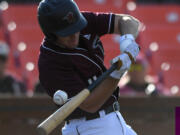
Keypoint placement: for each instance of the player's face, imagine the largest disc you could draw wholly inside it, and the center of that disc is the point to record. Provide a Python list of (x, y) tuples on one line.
[(70, 41)]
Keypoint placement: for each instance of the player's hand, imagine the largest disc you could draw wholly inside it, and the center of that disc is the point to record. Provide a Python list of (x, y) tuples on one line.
[(126, 63), (128, 45)]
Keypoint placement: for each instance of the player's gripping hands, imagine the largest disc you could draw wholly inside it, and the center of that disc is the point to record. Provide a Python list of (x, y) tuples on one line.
[(130, 50), (128, 45)]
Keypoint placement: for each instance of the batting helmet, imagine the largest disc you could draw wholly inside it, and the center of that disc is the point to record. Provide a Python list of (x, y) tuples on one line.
[(60, 17)]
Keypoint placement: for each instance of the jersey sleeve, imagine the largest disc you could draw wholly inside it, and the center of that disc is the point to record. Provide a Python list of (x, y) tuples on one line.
[(61, 79), (98, 23)]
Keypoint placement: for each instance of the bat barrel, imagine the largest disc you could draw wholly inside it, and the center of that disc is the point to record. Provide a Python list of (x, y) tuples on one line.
[(58, 116)]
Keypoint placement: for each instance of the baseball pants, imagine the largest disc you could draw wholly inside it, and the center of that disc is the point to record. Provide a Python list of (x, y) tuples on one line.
[(110, 124)]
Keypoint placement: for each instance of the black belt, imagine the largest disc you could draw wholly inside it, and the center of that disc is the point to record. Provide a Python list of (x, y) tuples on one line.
[(114, 107)]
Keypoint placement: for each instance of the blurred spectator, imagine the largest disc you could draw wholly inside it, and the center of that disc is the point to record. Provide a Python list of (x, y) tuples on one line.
[(138, 84), (8, 84), (38, 89)]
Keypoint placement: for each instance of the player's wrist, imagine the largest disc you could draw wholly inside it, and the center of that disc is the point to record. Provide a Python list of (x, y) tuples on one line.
[(125, 41), (132, 51), (126, 36), (128, 45)]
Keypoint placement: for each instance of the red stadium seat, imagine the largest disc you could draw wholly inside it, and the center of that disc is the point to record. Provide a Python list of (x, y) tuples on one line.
[(164, 61), (164, 37), (25, 41), (164, 42), (1, 35), (22, 15), (157, 14), (171, 76), (116, 6), (111, 48)]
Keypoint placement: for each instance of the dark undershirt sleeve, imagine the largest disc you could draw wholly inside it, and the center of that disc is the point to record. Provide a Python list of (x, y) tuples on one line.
[(99, 23)]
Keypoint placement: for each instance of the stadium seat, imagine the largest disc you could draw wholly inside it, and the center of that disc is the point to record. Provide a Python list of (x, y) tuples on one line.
[(21, 15), (157, 14), (25, 36), (27, 42), (116, 6), (111, 48), (160, 38), (164, 44), (1, 35), (171, 78)]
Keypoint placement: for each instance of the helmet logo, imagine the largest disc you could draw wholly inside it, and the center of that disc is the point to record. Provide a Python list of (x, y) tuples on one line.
[(69, 17)]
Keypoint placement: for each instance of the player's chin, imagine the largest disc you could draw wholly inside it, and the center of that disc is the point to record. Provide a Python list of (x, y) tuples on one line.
[(73, 44)]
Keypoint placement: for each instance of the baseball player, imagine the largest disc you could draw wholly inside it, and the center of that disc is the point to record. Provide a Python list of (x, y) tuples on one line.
[(72, 57)]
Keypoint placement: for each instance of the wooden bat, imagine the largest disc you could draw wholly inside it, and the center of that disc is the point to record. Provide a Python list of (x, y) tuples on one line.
[(58, 116)]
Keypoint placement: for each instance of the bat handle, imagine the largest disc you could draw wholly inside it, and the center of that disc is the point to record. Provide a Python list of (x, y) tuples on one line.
[(103, 76)]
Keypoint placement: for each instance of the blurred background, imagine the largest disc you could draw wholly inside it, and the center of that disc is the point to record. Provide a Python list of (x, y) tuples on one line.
[(149, 92)]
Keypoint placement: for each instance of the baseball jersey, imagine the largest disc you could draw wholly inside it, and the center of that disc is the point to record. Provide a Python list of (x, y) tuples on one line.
[(72, 70)]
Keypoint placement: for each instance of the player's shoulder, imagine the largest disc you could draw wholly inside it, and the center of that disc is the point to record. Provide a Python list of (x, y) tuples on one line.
[(51, 49), (53, 56), (87, 13)]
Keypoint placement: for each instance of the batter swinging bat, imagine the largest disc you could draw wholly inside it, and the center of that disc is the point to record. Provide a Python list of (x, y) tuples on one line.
[(57, 117)]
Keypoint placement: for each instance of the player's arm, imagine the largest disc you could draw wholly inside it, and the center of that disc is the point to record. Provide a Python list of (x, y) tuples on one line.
[(126, 24), (100, 94), (98, 97)]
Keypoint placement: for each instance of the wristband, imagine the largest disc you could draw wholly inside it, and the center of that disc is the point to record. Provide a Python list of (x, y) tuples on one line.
[(125, 41), (126, 36)]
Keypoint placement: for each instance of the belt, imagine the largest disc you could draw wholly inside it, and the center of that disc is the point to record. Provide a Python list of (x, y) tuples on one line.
[(114, 107)]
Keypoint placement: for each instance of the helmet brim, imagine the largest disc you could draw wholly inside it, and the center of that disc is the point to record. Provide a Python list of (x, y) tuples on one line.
[(77, 27)]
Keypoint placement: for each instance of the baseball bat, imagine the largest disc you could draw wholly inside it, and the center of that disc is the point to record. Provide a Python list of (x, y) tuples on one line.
[(58, 116)]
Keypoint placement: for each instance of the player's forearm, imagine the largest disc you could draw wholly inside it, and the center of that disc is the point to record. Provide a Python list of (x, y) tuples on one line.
[(100, 94), (126, 24)]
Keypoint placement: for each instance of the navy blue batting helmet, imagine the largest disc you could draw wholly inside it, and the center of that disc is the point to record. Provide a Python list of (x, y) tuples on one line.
[(60, 17)]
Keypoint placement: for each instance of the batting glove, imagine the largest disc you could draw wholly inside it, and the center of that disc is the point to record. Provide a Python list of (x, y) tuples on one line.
[(129, 46), (126, 63)]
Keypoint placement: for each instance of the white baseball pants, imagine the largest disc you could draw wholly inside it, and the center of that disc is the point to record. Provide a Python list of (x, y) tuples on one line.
[(110, 124)]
